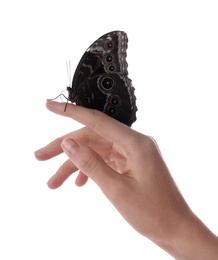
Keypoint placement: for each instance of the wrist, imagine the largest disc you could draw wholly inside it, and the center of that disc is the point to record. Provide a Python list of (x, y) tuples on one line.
[(190, 239)]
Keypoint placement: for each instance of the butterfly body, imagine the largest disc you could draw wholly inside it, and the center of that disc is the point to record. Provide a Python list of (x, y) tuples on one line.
[(101, 79)]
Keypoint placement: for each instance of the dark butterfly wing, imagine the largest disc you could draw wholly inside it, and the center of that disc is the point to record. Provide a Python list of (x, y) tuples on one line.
[(101, 79)]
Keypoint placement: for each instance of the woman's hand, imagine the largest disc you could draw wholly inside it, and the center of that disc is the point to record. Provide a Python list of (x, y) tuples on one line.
[(131, 172)]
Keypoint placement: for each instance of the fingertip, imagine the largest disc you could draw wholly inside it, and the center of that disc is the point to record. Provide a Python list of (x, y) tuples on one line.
[(39, 155), (42, 154), (50, 104), (81, 179), (52, 185), (54, 182)]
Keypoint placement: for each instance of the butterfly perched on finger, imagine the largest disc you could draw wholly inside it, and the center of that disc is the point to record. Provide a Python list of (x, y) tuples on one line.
[(101, 79)]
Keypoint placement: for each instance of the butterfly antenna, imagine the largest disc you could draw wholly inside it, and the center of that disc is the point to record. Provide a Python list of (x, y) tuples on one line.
[(68, 65)]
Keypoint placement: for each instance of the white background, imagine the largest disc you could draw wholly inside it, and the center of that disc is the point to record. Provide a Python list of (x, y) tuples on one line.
[(173, 63)]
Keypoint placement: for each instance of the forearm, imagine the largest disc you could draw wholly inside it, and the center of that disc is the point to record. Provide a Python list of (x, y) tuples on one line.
[(192, 240)]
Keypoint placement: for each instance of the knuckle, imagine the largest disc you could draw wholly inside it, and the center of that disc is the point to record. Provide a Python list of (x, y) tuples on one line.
[(95, 118), (90, 163), (141, 142)]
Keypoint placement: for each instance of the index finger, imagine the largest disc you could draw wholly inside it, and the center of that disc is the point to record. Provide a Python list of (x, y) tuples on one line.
[(99, 122)]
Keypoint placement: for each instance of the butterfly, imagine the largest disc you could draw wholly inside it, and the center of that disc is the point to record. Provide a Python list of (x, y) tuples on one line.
[(101, 79)]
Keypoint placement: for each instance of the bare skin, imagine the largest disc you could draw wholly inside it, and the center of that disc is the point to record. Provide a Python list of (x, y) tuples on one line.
[(129, 169)]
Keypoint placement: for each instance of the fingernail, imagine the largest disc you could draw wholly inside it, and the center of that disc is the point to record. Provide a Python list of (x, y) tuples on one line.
[(69, 146)]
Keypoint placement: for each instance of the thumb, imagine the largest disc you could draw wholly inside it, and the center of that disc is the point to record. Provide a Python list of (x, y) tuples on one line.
[(89, 162)]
